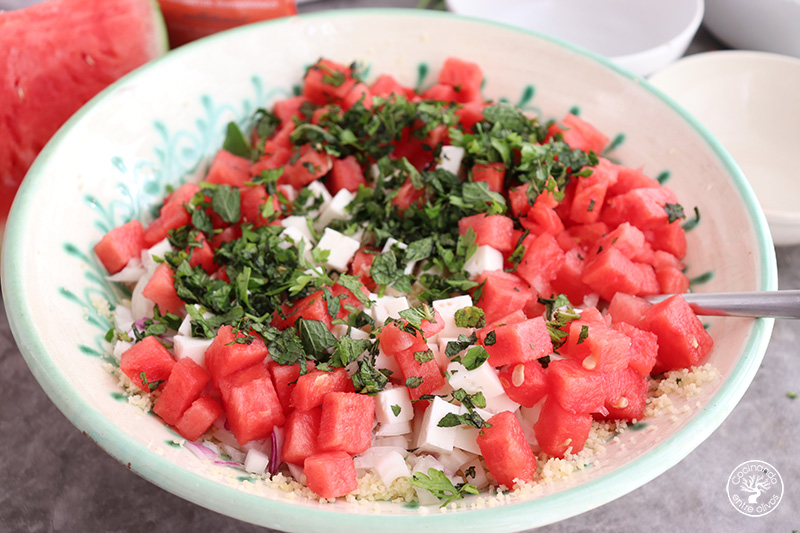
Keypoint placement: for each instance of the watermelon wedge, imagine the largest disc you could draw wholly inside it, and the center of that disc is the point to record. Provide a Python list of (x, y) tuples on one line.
[(54, 57)]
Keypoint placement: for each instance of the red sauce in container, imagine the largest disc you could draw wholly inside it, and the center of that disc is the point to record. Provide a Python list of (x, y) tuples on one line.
[(188, 20)]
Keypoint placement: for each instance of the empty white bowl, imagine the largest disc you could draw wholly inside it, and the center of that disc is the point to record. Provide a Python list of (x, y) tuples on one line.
[(640, 36), (749, 101), (768, 25)]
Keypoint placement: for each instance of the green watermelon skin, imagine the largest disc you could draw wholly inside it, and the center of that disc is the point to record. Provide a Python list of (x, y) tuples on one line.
[(54, 57)]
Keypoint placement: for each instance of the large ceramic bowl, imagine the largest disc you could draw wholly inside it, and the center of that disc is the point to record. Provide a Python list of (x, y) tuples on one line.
[(160, 125)]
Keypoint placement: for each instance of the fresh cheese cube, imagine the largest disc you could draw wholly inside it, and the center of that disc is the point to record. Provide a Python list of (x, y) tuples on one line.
[(185, 328), (484, 258), (387, 362), (391, 466), (527, 429), (475, 474), (194, 349), (157, 250), (431, 437), (390, 400), (388, 307), (393, 430), (141, 307), (335, 210), (342, 249), (368, 459), (439, 356), (256, 461), (391, 241), (451, 157), (422, 466), (498, 404), (467, 439), (318, 190), (453, 460), (287, 191), (397, 441), (482, 379), (300, 224), (340, 330), (297, 472), (447, 309)]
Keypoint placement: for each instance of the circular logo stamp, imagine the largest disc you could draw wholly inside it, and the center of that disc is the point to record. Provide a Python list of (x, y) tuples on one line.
[(755, 488)]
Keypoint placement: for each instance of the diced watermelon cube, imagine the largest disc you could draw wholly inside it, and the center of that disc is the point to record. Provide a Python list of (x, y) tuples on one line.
[(327, 82), (300, 435), (525, 383), (464, 76), (358, 94), (643, 208), (588, 235), (682, 340), (630, 241), (149, 359), (579, 134), (120, 245), (183, 194), (644, 348), (172, 216), (541, 262), (669, 237), (229, 234), (492, 230), (346, 174), (609, 350), (576, 389), (431, 328), (610, 272), (671, 280), (251, 404), (441, 93), (288, 108), (505, 450), (568, 279), (626, 395), (502, 294), (331, 474), (309, 166), (311, 388), (493, 174), (590, 193), (542, 217), (406, 195), (229, 169), (628, 309), (629, 179), (311, 307), (394, 340), (470, 114), (202, 256), (428, 372), (346, 422), (518, 200), (184, 385), (284, 378), (161, 290), (518, 343), (558, 430), (225, 356), (385, 86), (198, 417), (252, 200)]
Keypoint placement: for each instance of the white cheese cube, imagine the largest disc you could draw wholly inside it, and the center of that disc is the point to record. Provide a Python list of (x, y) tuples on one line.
[(287, 191), (466, 439), (453, 460), (157, 250), (185, 328), (300, 224), (484, 258), (439, 356), (398, 441), (397, 398), (498, 404), (194, 349), (391, 466), (256, 461), (447, 309), (387, 362), (342, 249), (141, 307), (395, 429), (340, 330), (475, 474), (368, 459), (451, 157), (318, 190), (431, 437), (527, 429), (391, 241), (482, 379), (388, 307), (422, 465), (335, 210)]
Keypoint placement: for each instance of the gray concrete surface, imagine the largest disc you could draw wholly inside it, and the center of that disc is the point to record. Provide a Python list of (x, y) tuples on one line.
[(54, 479)]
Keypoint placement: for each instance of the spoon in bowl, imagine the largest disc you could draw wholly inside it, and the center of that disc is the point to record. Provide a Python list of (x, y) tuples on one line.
[(776, 304)]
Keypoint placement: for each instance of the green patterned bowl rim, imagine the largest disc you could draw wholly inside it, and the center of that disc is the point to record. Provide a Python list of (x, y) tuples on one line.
[(255, 509)]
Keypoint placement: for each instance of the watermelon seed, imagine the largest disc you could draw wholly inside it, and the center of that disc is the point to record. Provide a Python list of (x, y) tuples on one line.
[(622, 403), (590, 362), (518, 376)]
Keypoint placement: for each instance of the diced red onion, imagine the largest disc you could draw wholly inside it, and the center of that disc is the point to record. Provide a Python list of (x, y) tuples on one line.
[(274, 456), (227, 463), (199, 450), (227, 426)]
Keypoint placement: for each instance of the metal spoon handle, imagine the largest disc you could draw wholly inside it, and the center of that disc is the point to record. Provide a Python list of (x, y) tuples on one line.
[(777, 304)]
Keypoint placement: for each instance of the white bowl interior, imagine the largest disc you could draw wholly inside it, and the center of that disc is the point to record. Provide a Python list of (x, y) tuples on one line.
[(748, 100), (161, 124), (640, 36), (768, 25)]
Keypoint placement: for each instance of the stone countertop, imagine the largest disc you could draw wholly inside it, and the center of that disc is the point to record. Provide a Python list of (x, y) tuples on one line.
[(54, 479)]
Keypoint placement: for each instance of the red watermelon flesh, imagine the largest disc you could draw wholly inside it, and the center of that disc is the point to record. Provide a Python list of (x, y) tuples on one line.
[(41, 56)]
